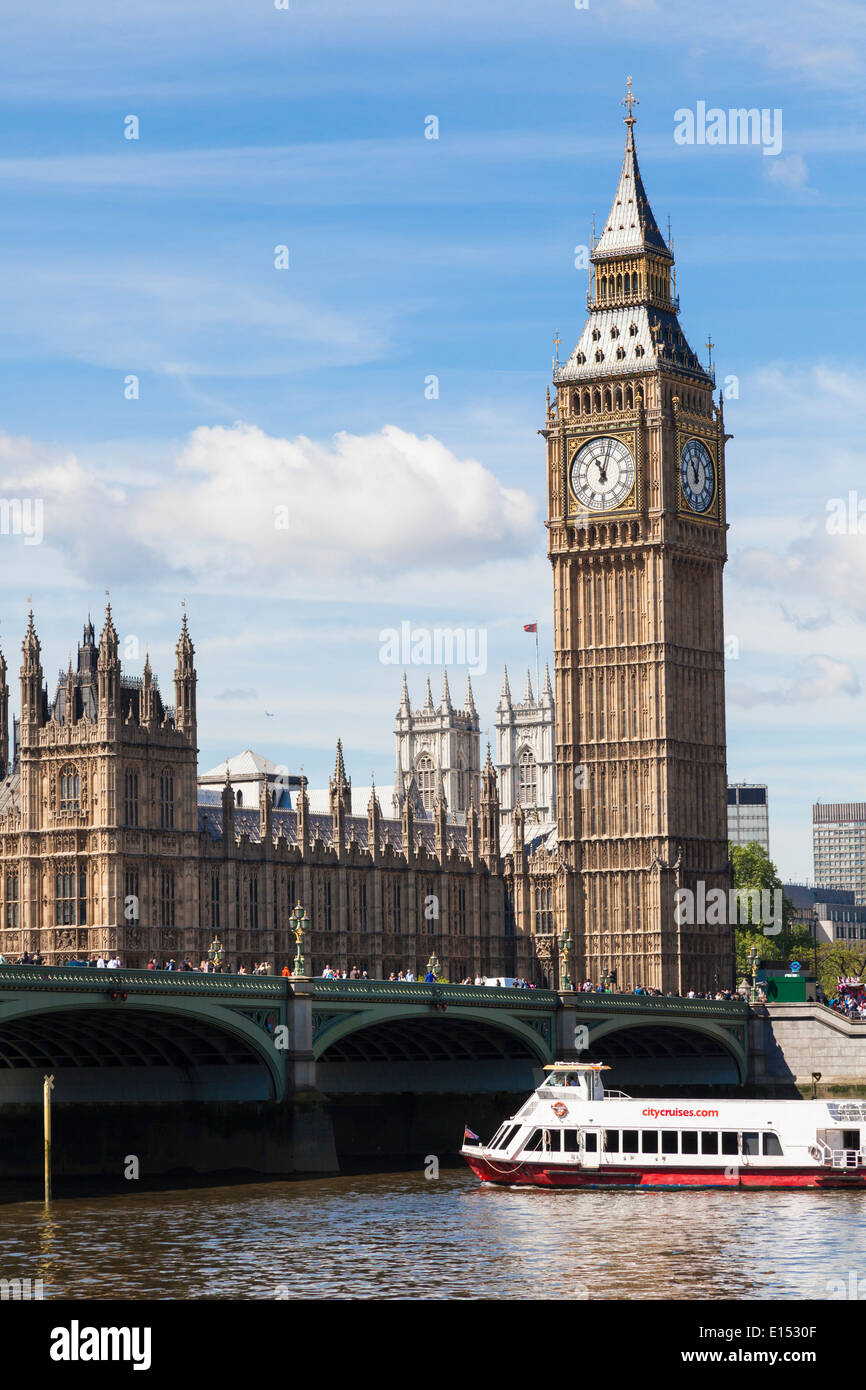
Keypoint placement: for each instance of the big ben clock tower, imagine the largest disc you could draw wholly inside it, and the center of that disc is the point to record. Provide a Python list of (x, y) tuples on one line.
[(636, 538)]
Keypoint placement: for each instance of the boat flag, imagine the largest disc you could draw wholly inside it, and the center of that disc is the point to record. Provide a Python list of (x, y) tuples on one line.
[(469, 1134)]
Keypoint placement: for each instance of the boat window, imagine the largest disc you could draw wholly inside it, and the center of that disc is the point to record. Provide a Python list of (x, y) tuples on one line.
[(669, 1141), (590, 1142), (771, 1144), (508, 1136), (729, 1142), (709, 1142), (571, 1140), (611, 1140), (649, 1141), (629, 1141), (689, 1141), (850, 1138), (544, 1141), (751, 1144), (494, 1142)]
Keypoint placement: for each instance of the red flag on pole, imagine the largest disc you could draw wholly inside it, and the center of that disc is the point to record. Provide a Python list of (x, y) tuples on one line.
[(530, 627)]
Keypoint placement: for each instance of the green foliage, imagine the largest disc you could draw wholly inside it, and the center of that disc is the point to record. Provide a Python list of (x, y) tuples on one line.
[(754, 869), (837, 958)]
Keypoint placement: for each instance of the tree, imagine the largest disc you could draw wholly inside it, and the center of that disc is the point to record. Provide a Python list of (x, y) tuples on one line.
[(838, 958), (754, 871)]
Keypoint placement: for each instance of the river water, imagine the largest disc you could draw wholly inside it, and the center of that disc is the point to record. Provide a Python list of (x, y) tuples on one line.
[(401, 1235)]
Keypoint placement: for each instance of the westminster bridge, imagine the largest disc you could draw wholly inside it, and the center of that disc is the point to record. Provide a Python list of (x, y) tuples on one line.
[(211, 1071)]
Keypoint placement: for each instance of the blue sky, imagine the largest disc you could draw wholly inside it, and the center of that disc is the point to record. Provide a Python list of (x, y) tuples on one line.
[(409, 258)]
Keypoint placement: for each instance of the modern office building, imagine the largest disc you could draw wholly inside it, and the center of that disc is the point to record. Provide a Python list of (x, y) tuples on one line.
[(748, 814), (830, 914), (839, 846)]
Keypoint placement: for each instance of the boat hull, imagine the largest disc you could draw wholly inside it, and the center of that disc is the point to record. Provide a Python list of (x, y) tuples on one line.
[(552, 1175)]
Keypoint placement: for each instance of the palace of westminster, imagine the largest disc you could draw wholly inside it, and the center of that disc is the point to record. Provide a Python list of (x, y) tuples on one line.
[(561, 860)]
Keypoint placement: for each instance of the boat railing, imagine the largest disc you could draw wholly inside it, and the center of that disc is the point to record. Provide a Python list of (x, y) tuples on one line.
[(837, 1158), (616, 1095)]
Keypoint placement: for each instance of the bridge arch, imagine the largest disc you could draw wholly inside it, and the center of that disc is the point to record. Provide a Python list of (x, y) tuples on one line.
[(181, 1048), (383, 1048), (658, 1050)]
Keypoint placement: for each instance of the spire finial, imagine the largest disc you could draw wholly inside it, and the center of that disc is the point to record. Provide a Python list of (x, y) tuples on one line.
[(629, 101)]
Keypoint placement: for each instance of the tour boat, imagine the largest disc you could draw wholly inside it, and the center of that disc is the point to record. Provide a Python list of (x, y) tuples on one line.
[(572, 1132)]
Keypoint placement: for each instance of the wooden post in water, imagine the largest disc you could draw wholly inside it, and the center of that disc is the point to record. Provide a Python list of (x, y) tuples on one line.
[(47, 1088)]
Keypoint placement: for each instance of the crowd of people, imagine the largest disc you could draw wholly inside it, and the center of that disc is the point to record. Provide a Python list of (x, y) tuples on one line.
[(850, 1005), (206, 967), (853, 1006)]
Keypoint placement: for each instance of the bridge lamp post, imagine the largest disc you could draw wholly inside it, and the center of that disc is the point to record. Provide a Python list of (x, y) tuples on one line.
[(565, 947), (216, 955), (300, 924), (433, 965)]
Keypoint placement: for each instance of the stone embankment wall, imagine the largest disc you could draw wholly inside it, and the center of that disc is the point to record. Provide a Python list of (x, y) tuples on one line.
[(788, 1042)]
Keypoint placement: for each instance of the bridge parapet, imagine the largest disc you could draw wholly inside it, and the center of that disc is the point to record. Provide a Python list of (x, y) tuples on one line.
[(657, 1004), (66, 978), (416, 992)]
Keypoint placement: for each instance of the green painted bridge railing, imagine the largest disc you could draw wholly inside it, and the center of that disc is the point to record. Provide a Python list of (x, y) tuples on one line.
[(661, 1004), (88, 978), (417, 992), (83, 977)]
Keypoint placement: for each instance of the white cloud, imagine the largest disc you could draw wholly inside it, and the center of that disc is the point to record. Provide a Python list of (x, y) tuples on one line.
[(790, 170), (238, 507), (830, 678)]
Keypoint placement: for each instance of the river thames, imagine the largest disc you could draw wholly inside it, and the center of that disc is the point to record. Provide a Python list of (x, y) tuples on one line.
[(401, 1236)]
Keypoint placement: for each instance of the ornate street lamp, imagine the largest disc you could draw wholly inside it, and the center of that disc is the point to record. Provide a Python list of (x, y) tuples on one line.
[(300, 924), (215, 954), (433, 965), (565, 947)]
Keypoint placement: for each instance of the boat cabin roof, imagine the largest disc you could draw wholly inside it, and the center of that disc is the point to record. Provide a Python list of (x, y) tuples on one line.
[(576, 1066)]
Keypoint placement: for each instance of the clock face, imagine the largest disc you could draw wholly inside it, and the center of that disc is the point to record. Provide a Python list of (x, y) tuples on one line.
[(602, 474), (697, 475)]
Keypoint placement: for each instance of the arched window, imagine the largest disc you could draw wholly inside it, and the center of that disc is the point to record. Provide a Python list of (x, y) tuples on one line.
[(527, 778), (166, 801), (587, 403), (425, 772), (130, 798), (166, 898), (629, 398), (619, 284), (581, 358), (599, 355), (70, 790), (620, 354), (617, 400), (632, 328), (544, 909), (596, 399), (608, 405), (239, 798), (626, 284), (576, 403)]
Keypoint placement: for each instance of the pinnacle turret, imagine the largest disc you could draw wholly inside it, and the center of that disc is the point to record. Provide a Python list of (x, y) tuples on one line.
[(445, 706), (470, 698)]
